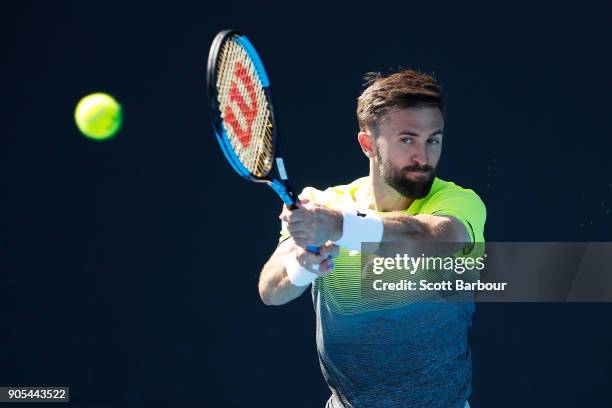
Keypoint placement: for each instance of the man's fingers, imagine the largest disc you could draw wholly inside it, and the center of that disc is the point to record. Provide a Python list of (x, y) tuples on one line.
[(324, 251), (296, 226), (305, 239), (317, 264), (284, 212), (326, 267), (299, 241), (301, 236), (333, 250), (310, 258), (292, 216), (329, 250), (322, 263)]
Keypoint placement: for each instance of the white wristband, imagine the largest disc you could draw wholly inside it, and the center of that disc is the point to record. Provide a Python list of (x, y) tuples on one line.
[(365, 227), (298, 275)]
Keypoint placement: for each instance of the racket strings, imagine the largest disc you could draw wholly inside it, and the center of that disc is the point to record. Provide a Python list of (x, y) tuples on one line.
[(244, 109)]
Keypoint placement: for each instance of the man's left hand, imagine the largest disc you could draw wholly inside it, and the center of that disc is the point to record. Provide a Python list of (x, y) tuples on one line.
[(312, 224)]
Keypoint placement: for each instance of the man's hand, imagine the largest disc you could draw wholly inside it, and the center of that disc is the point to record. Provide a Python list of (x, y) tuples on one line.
[(312, 224), (321, 264)]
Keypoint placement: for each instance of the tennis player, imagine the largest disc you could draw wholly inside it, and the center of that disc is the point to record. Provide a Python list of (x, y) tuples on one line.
[(409, 354)]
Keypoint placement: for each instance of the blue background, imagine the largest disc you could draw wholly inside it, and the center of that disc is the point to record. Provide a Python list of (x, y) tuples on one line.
[(130, 267)]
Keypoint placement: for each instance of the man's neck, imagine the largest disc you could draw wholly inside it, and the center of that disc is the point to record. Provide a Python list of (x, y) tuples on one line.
[(379, 196)]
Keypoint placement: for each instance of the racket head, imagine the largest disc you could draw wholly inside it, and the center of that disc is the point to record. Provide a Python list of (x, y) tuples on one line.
[(241, 106)]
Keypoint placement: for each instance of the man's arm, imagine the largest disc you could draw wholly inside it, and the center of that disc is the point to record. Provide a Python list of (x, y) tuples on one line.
[(314, 224), (275, 288), (274, 285), (425, 228), (414, 235)]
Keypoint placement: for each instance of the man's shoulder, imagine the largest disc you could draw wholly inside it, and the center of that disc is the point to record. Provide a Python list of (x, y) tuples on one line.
[(445, 194), (448, 187), (448, 197), (342, 189), (333, 193)]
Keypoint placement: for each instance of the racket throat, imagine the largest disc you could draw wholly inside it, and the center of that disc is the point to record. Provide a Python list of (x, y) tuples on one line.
[(284, 191)]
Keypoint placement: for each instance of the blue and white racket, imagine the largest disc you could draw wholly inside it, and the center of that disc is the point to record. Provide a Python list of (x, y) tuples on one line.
[(243, 115)]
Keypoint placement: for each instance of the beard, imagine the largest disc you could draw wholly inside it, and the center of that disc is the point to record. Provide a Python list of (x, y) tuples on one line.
[(397, 179)]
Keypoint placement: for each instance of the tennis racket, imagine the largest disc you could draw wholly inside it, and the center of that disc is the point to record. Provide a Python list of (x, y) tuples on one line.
[(243, 115)]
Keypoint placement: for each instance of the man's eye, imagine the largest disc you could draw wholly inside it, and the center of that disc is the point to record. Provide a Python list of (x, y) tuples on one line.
[(433, 141), (405, 140)]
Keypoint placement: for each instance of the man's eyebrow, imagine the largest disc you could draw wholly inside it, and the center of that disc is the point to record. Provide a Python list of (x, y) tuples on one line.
[(411, 133)]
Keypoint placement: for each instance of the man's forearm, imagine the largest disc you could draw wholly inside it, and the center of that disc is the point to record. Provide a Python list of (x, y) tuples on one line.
[(275, 288), (417, 233)]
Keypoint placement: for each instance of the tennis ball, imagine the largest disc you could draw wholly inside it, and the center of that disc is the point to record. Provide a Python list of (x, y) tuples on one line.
[(98, 116)]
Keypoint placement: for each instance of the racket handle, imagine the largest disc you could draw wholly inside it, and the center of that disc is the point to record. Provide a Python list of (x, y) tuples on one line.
[(313, 249)]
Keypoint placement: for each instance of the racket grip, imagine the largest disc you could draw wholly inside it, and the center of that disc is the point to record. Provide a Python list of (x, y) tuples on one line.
[(313, 249)]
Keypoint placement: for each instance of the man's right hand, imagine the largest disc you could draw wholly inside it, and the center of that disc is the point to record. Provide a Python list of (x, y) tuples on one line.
[(275, 287), (322, 263)]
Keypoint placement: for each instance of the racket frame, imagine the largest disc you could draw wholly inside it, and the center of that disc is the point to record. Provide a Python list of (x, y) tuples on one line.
[(280, 185)]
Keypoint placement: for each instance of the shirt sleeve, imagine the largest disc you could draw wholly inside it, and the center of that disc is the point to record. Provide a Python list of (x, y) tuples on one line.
[(462, 204)]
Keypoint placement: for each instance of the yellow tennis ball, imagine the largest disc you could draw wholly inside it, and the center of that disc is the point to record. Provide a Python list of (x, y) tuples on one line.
[(98, 116)]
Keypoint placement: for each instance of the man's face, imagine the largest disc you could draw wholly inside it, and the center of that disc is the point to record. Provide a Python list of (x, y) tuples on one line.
[(408, 147)]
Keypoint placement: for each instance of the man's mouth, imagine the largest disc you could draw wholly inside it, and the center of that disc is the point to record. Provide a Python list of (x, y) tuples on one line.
[(418, 172)]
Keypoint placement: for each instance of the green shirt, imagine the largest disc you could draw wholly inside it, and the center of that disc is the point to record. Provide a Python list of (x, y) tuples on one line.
[(399, 351)]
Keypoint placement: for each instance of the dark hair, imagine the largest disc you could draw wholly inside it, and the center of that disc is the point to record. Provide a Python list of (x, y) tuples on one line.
[(400, 90)]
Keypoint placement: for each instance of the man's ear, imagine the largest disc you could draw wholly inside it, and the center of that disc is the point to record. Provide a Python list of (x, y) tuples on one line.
[(366, 141)]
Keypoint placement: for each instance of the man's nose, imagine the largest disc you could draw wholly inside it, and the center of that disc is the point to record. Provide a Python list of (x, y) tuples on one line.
[(419, 156)]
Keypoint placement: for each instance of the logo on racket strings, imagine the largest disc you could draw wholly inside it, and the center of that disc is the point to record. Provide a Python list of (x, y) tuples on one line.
[(247, 110)]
